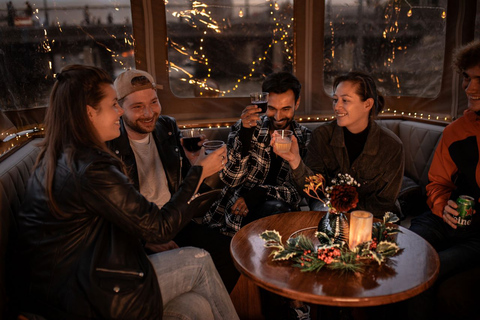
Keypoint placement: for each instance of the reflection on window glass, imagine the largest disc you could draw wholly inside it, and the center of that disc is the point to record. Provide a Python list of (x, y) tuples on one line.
[(220, 48), (399, 42), (39, 38), (477, 22)]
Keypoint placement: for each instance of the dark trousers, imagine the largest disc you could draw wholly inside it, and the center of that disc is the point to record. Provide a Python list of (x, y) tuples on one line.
[(455, 293), (268, 208), (217, 244), (458, 249)]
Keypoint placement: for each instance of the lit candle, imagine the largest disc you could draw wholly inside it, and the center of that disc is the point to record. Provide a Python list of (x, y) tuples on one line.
[(360, 228)]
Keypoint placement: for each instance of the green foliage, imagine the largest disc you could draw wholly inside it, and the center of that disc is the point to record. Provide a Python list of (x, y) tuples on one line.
[(334, 256)]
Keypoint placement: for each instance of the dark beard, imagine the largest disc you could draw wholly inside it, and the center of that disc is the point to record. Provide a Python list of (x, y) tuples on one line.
[(134, 126), (273, 127)]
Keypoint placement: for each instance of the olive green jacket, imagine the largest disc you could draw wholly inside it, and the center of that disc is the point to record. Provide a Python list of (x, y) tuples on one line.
[(379, 168)]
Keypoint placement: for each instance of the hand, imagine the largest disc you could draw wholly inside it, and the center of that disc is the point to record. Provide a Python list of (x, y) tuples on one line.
[(250, 116), (212, 163), (193, 156), (293, 156), (160, 247), (449, 214), (240, 207)]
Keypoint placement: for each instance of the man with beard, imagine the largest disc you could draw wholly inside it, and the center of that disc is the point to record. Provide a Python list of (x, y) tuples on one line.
[(150, 146), (258, 182)]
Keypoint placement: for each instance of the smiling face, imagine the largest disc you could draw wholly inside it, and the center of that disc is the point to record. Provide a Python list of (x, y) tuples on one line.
[(471, 85), (106, 117), (142, 110), (281, 109), (350, 110)]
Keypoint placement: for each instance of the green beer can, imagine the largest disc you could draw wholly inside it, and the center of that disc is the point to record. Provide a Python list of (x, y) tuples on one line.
[(465, 210)]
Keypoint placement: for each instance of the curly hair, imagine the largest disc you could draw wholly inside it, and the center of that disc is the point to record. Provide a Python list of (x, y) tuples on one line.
[(466, 57)]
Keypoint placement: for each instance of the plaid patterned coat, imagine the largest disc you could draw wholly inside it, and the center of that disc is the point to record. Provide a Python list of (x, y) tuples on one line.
[(242, 174)]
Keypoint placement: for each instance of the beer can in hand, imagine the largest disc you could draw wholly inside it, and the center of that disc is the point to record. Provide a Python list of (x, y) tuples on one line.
[(465, 208)]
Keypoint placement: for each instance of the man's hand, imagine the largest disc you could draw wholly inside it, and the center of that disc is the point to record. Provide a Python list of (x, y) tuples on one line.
[(240, 207), (193, 156), (293, 156), (250, 116), (450, 213)]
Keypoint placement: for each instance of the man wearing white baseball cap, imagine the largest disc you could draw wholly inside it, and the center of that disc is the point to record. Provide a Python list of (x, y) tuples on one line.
[(150, 146)]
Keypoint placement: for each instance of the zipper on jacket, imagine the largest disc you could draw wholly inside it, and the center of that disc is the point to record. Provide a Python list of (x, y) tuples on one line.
[(180, 172), (122, 272)]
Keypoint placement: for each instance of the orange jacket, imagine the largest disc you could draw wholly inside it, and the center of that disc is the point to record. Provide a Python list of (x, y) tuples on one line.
[(452, 172)]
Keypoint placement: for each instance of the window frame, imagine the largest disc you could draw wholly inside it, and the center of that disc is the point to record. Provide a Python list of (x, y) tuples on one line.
[(151, 54)]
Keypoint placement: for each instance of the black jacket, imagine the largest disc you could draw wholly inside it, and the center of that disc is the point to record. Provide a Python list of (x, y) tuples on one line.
[(90, 262), (167, 140)]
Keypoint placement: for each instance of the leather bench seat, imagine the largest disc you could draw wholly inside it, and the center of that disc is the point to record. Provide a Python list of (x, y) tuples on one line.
[(15, 171)]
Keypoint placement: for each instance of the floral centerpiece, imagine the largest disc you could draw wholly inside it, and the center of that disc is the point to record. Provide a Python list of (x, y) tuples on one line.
[(342, 196), (335, 256), (332, 233)]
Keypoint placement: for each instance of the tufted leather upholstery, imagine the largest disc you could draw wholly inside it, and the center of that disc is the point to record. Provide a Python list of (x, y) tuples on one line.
[(14, 173), (420, 141)]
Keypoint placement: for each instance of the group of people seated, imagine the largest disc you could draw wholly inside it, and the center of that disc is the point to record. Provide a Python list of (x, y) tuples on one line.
[(106, 228)]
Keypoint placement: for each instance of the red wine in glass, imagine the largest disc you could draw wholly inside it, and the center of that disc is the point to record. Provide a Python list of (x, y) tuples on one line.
[(261, 104), (191, 143), (259, 99)]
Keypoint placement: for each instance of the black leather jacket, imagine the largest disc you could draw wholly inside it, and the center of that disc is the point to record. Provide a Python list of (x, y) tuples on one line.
[(167, 139), (90, 262)]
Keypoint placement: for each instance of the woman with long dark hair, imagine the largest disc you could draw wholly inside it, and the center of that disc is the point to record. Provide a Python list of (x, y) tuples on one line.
[(79, 250), (355, 144)]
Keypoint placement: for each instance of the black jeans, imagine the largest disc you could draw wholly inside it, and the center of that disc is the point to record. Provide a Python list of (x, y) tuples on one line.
[(268, 208), (454, 294), (458, 249)]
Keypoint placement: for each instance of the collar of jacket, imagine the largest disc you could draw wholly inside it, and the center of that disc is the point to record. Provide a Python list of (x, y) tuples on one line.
[(371, 145), (163, 129), (471, 115), (122, 144)]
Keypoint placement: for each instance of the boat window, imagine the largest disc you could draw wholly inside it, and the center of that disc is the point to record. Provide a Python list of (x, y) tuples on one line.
[(477, 22), (219, 48), (39, 38), (399, 42)]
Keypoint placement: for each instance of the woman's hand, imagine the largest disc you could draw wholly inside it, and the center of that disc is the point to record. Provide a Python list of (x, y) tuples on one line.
[(212, 163), (292, 156)]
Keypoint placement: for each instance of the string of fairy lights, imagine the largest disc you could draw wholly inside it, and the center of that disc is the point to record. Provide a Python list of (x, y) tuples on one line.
[(393, 11), (200, 17), (46, 44)]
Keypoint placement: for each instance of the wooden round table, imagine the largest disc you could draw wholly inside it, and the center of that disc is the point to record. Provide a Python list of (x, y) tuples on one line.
[(413, 270)]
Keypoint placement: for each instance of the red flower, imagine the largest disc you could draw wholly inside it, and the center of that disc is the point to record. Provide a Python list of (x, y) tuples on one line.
[(344, 197)]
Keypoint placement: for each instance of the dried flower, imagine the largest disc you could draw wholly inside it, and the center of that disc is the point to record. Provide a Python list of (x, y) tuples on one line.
[(313, 184), (342, 194), (343, 197)]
